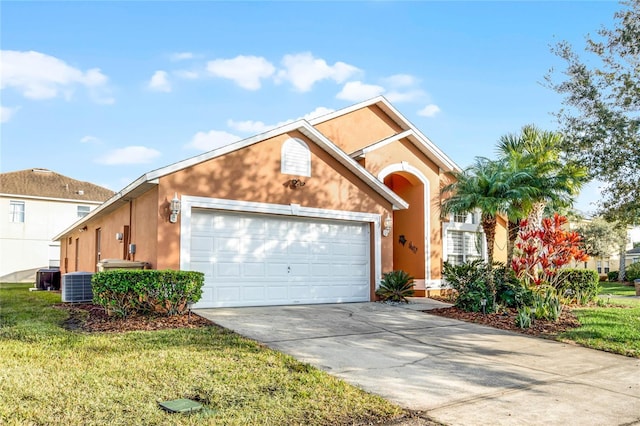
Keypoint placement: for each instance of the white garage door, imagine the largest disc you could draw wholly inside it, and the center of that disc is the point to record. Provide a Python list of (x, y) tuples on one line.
[(261, 260)]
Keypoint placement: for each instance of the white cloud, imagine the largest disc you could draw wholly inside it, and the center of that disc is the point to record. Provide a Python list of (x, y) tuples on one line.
[(401, 80), (187, 74), (181, 56), (160, 82), (40, 76), (250, 126), (207, 141), (408, 96), (429, 111), (356, 91), (303, 70), (129, 155), (6, 113), (89, 139), (246, 71)]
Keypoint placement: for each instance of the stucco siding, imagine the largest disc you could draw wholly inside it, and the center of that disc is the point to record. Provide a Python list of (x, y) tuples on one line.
[(254, 174), (359, 128)]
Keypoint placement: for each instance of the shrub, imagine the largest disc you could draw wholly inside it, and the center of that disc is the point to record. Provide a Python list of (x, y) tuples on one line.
[(581, 284), (632, 272), (469, 280), (612, 276), (395, 286), (523, 319), (546, 304), (124, 292), (510, 291)]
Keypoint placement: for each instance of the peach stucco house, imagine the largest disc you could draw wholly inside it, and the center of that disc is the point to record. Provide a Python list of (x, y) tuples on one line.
[(310, 212)]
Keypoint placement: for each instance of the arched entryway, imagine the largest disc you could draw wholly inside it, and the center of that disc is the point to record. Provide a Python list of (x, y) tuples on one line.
[(411, 248)]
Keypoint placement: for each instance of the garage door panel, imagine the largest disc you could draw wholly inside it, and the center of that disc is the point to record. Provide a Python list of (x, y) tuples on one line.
[(254, 260)]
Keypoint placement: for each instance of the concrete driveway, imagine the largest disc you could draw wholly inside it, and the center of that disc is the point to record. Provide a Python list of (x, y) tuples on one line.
[(460, 373)]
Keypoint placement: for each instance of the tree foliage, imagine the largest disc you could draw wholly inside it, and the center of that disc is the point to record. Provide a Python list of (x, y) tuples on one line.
[(601, 121), (602, 238)]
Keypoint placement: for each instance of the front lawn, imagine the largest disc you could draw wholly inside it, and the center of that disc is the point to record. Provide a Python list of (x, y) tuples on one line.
[(616, 289), (49, 375), (612, 328)]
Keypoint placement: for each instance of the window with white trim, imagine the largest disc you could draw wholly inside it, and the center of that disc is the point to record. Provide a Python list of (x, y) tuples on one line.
[(16, 211), (468, 218), (295, 158), (463, 246), (83, 211)]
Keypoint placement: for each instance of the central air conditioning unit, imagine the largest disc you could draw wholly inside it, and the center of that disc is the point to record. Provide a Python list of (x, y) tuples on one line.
[(76, 287)]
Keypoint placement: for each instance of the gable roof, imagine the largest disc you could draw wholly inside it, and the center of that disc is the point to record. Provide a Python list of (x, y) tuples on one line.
[(410, 132), (150, 179), (635, 250), (44, 183)]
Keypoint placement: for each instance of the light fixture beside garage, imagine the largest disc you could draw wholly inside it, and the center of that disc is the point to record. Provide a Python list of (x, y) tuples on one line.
[(388, 222), (175, 209)]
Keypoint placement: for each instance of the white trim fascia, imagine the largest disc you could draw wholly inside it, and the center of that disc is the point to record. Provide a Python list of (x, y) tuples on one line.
[(293, 210), (441, 158), (63, 200), (377, 145), (345, 111), (209, 155), (118, 196), (406, 167), (313, 134)]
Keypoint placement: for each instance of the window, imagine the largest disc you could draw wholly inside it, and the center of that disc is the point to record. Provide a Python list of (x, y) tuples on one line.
[(606, 267), (295, 158), (469, 218), (83, 211), (463, 246), (16, 211), (599, 266)]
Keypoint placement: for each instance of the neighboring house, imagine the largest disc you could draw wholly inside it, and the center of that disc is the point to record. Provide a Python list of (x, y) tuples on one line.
[(632, 256), (611, 261), (310, 212), (38, 204)]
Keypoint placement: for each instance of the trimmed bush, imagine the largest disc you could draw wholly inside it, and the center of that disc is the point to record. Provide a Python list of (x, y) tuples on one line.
[(395, 286), (632, 272), (581, 284), (612, 276), (123, 292)]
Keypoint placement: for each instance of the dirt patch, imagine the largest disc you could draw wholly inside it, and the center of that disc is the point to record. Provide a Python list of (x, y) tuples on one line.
[(92, 318), (507, 321)]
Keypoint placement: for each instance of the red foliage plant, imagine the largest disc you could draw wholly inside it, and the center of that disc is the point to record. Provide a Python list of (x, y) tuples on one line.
[(540, 253)]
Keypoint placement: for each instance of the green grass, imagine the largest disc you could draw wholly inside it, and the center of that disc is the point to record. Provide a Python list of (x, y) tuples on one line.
[(49, 375), (614, 327), (616, 289)]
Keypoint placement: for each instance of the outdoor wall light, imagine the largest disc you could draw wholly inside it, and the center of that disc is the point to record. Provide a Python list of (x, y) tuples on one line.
[(119, 236), (175, 209), (388, 221)]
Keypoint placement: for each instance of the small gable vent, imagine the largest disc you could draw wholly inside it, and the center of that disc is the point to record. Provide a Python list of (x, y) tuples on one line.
[(295, 158)]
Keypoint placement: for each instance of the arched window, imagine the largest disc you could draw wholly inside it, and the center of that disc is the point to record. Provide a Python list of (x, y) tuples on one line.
[(295, 158)]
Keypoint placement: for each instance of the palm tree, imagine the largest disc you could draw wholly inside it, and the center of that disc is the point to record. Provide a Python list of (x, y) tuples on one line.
[(537, 154), (488, 186)]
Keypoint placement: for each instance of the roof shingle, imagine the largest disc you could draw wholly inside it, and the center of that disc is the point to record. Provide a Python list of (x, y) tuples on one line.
[(45, 183)]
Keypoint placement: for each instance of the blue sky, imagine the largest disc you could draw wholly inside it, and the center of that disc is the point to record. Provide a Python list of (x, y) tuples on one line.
[(105, 92)]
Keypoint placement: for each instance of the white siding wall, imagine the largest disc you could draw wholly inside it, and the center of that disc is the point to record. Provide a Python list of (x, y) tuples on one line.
[(28, 245)]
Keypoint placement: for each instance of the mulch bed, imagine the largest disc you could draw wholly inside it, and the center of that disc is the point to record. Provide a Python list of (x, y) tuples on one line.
[(507, 321), (91, 318)]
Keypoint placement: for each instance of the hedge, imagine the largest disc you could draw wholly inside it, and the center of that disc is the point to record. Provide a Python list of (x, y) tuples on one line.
[(123, 292), (582, 282), (632, 272)]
